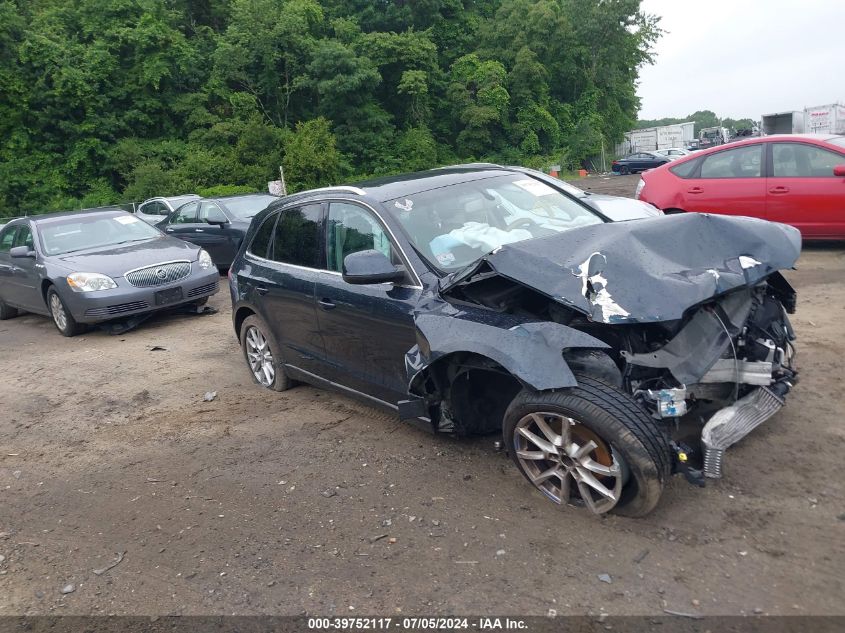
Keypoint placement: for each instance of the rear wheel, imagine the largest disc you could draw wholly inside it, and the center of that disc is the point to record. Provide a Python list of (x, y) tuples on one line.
[(261, 354), (62, 317), (624, 170), (590, 446), (7, 311)]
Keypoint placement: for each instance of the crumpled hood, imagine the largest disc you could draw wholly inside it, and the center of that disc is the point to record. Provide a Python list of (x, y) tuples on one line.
[(645, 271), (117, 260)]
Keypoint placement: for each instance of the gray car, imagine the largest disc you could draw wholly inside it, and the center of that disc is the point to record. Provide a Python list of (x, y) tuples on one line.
[(94, 266), (155, 210)]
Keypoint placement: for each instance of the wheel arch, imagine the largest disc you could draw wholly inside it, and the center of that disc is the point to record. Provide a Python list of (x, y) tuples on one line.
[(241, 314)]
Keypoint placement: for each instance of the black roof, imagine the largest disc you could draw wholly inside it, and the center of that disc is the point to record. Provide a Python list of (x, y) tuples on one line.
[(391, 187)]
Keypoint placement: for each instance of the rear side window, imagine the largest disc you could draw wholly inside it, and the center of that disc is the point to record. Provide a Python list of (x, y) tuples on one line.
[(685, 169), (799, 160), (741, 162), (263, 236), (297, 238)]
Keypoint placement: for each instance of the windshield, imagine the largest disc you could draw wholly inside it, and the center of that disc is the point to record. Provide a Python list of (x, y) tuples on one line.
[(837, 140), (78, 233), (244, 207), (454, 226)]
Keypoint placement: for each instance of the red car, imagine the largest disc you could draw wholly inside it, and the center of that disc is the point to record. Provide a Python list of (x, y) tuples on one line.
[(797, 179)]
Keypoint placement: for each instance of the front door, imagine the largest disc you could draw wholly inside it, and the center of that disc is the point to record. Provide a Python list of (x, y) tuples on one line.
[(23, 280), (367, 329), (802, 190), (216, 237), (184, 222)]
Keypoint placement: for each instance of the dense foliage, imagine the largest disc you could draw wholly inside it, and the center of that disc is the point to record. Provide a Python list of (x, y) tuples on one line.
[(702, 119), (110, 100)]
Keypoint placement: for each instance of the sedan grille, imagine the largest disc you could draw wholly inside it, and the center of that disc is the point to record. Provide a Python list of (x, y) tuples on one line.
[(119, 308), (158, 275)]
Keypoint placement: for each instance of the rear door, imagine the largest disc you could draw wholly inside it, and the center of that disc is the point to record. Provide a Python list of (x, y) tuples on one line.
[(801, 189), (7, 238), (283, 281), (728, 182), (367, 329)]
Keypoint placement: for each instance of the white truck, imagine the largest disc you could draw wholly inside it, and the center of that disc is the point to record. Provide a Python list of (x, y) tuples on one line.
[(791, 122), (826, 119), (655, 138)]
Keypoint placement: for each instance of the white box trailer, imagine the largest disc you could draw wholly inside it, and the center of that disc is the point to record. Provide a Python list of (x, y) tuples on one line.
[(654, 138), (826, 119), (791, 122)]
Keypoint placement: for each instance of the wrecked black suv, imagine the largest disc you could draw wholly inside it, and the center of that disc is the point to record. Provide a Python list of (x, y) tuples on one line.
[(485, 300)]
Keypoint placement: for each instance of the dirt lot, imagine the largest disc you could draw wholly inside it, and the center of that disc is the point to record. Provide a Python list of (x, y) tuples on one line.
[(260, 502)]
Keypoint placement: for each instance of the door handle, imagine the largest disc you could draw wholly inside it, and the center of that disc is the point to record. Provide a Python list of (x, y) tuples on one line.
[(777, 190), (261, 290), (169, 230), (695, 190), (199, 230), (326, 304)]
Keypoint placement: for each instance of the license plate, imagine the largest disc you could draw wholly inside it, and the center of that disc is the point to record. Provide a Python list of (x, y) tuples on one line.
[(171, 295)]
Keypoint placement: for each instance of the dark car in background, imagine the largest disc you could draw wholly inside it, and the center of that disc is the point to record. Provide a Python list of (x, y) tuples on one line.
[(94, 266), (485, 300), (216, 224), (153, 210), (639, 161)]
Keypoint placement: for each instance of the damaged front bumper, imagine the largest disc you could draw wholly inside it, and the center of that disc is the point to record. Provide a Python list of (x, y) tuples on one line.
[(735, 354)]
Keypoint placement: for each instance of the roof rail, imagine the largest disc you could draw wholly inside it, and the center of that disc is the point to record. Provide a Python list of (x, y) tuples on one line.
[(349, 189)]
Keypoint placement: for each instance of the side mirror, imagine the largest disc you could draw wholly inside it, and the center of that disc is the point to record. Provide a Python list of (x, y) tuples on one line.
[(20, 252), (839, 171), (370, 267), (217, 221)]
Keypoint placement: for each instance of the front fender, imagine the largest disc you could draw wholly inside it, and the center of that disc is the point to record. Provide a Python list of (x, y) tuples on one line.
[(531, 352)]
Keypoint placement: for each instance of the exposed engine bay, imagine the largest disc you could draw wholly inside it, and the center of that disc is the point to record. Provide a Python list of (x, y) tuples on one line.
[(688, 318)]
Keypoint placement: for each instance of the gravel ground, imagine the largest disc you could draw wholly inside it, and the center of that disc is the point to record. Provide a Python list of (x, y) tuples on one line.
[(306, 501)]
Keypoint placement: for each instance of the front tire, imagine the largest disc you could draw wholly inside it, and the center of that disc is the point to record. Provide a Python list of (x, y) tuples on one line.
[(624, 170), (589, 445), (62, 318), (262, 355)]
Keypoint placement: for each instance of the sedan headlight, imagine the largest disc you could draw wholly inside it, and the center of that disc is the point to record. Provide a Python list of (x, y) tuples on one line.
[(205, 260), (89, 282)]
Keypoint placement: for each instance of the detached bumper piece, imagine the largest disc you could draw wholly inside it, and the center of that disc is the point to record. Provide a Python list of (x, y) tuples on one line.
[(731, 424)]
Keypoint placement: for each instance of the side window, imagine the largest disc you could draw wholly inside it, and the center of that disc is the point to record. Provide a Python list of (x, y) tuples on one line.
[(685, 169), (210, 211), (7, 237), (159, 208), (186, 214), (799, 160), (297, 236), (351, 229), (261, 242), (24, 237), (742, 162)]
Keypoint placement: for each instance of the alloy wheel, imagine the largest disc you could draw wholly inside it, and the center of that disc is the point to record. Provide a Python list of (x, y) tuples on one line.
[(260, 357), (556, 451), (58, 311)]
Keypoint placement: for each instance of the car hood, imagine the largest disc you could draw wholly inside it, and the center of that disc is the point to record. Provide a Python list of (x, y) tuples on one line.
[(622, 209), (117, 260), (647, 271)]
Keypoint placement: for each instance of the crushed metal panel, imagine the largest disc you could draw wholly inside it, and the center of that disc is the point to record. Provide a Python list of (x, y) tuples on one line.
[(532, 352), (700, 343), (646, 271)]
